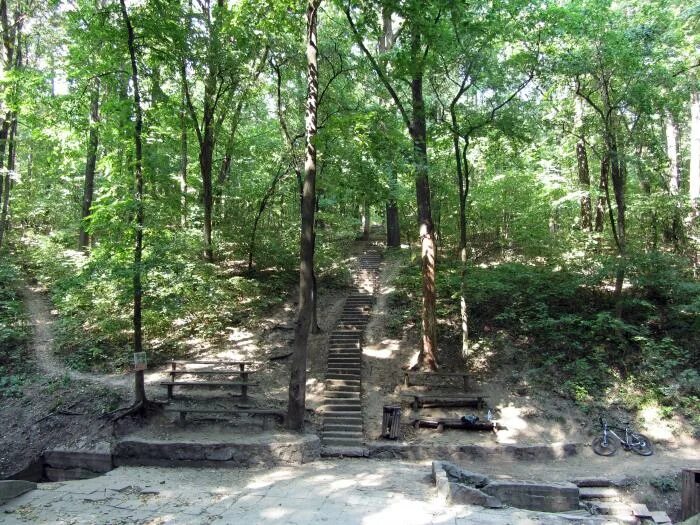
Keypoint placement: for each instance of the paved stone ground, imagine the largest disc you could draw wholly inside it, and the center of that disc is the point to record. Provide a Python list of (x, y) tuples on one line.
[(337, 492)]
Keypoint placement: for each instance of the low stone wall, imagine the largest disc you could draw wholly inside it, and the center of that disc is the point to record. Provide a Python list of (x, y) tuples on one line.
[(472, 452), (70, 464), (242, 453), (456, 485)]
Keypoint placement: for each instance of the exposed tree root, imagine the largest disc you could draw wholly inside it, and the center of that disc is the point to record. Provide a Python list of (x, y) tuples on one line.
[(140, 409)]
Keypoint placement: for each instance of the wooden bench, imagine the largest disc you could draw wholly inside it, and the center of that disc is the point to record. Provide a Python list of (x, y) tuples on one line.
[(243, 382), (445, 400), (408, 376), (265, 413)]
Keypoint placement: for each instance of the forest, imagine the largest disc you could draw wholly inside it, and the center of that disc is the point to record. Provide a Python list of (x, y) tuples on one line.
[(173, 167)]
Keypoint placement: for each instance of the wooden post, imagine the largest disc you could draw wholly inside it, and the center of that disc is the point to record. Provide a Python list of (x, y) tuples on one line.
[(244, 386), (690, 493), (173, 366)]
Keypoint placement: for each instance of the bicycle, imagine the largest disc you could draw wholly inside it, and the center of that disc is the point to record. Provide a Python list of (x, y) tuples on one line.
[(605, 445)]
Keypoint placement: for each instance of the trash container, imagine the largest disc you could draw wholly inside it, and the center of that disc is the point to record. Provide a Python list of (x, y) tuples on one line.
[(391, 421), (690, 493)]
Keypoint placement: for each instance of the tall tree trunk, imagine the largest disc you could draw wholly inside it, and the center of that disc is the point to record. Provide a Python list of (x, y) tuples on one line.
[(206, 157), (393, 227), (139, 387), (694, 172), (365, 219), (584, 177), (183, 158), (90, 163), (297, 380), (7, 183), (674, 178), (427, 358), (618, 176), (602, 203), (462, 168)]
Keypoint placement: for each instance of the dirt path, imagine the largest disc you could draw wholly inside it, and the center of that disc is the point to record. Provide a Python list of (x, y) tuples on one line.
[(41, 319)]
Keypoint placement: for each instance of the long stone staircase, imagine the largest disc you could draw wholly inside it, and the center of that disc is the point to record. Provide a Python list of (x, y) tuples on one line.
[(342, 407)]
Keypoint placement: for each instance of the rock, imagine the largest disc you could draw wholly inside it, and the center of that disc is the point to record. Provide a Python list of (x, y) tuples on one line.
[(548, 497), (12, 488), (459, 475)]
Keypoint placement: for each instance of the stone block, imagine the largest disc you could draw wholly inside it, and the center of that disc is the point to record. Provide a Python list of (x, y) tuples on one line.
[(69, 474), (660, 517), (12, 488), (462, 494), (548, 497), (94, 460)]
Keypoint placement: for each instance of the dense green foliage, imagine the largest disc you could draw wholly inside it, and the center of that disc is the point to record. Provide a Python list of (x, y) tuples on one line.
[(15, 361), (603, 305)]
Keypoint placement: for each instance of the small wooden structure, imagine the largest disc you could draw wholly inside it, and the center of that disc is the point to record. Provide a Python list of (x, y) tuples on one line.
[(391, 421), (217, 375), (441, 424), (430, 400), (690, 493), (412, 378)]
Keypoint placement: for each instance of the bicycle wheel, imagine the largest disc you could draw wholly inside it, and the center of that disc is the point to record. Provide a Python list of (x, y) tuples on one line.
[(604, 449), (640, 444)]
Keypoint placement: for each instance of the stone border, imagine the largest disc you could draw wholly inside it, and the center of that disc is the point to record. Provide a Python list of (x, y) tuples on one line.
[(408, 451), (137, 451)]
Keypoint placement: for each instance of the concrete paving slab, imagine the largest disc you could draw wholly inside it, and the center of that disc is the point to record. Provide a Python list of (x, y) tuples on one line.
[(329, 492)]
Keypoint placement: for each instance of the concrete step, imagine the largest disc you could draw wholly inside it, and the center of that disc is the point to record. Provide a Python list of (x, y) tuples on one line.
[(342, 394), (344, 374), (339, 427), (343, 382), (601, 493), (345, 401), (351, 362), (342, 388), (344, 371), (332, 451), (340, 434), (341, 442), (607, 508), (350, 409), (352, 419)]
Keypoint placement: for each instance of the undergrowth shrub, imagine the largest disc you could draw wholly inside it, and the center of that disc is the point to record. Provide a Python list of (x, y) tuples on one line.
[(15, 361), (561, 322)]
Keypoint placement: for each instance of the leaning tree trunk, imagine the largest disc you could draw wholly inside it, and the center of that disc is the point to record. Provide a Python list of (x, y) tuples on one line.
[(91, 161), (427, 358), (139, 387), (297, 381)]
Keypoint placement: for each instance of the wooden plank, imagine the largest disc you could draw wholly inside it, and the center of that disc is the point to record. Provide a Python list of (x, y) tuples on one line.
[(446, 402), (208, 383), (209, 372), (441, 424), (224, 362)]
